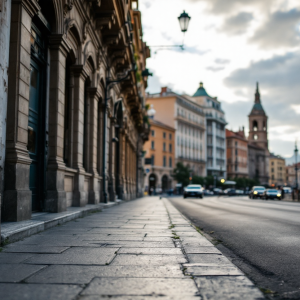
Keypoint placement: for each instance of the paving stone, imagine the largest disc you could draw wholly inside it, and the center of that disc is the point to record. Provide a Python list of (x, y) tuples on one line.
[(143, 286), (33, 249), (76, 256), (212, 270), (208, 259), (179, 297), (13, 258), (160, 260), (97, 237), (139, 244), (184, 228), (150, 251), (84, 274), (199, 250), (38, 291), (227, 287), (158, 238), (199, 243), (17, 272)]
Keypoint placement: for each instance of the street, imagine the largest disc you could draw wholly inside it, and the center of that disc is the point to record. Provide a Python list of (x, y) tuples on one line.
[(261, 237)]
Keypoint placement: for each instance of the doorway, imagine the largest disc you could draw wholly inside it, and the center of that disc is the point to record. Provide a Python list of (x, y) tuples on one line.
[(37, 119)]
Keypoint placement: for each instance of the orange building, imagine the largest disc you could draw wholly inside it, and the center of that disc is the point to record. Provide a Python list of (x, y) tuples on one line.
[(159, 157), (237, 154)]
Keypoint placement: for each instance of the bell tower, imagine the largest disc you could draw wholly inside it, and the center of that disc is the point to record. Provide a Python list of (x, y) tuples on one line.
[(258, 123)]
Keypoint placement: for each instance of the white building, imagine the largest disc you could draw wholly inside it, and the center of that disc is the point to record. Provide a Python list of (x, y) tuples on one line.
[(215, 132)]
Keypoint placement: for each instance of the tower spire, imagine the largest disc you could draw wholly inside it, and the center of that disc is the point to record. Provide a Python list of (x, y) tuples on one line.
[(257, 94)]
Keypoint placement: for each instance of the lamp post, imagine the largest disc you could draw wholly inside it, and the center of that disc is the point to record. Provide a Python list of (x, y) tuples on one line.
[(151, 112), (184, 21)]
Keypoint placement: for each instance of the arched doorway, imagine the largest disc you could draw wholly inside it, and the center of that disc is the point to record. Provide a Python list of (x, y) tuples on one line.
[(165, 183), (152, 184)]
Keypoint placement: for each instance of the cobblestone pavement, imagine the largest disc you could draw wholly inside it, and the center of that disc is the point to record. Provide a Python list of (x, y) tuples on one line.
[(143, 249)]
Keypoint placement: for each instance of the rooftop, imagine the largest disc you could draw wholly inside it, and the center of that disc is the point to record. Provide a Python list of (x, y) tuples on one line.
[(201, 91)]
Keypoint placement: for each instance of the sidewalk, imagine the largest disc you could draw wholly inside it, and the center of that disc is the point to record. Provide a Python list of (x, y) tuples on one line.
[(142, 249)]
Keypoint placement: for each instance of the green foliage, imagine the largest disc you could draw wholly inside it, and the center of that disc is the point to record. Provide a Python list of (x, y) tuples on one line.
[(182, 173), (138, 76), (198, 180), (242, 183)]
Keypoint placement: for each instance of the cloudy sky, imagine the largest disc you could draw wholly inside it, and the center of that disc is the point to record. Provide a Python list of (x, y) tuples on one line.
[(230, 45)]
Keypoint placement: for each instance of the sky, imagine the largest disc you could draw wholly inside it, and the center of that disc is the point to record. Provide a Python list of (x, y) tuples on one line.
[(229, 46)]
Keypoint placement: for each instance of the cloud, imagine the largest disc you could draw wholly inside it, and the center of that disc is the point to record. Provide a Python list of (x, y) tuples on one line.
[(237, 24), (280, 30), (228, 6), (280, 90), (221, 61), (215, 69)]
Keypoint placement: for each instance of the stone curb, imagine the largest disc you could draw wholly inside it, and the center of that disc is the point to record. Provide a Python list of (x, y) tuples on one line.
[(215, 275), (15, 231)]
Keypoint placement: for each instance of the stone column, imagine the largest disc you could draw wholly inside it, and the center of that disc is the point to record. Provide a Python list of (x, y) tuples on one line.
[(112, 157), (56, 196), (121, 158), (17, 195), (5, 14), (79, 195), (94, 196)]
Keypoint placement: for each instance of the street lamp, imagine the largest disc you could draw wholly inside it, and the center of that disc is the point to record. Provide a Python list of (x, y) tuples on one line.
[(151, 112), (184, 20)]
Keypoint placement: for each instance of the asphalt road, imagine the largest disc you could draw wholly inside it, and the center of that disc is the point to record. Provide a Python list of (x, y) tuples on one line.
[(261, 237)]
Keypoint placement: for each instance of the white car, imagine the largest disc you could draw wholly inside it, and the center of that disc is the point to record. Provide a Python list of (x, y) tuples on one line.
[(193, 190)]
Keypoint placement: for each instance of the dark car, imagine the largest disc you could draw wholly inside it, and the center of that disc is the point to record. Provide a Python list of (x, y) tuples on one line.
[(193, 190), (272, 194), (257, 192), (230, 192)]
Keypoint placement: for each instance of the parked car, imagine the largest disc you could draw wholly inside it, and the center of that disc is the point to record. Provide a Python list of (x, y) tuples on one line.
[(193, 190), (287, 190), (230, 192), (272, 194), (239, 192), (208, 192), (217, 191), (257, 192)]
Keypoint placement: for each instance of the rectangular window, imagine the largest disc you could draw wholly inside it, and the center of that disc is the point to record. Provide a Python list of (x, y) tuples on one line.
[(164, 161), (170, 136), (164, 135), (164, 147), (152, 145), (170, 162), (152, 133), (170, 148), (152, 160)]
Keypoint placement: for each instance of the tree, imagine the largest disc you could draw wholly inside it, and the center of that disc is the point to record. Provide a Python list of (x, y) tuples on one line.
[(182, 174)]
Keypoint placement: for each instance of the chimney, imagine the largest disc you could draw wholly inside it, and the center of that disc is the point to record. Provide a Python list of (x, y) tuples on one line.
[(163, 90)]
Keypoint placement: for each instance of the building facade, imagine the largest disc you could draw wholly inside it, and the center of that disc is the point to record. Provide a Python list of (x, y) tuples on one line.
[(237, 154), (290, 175), (277, 171), (258, 151), (5, 13), (159, 157), (215, 133), (188, 119), (75, 112)]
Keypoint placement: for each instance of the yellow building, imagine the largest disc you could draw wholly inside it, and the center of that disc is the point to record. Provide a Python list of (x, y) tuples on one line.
[(159, 157), (277, 171)]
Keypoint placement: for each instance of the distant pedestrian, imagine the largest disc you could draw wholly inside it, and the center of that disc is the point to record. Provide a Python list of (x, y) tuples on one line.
[(282, 193)]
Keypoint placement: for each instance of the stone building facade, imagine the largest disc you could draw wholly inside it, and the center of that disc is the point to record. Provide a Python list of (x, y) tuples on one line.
[(215, 132), (187, 117), (5, 13), (277, 171), (237, 154), (159, 157), (258, 152), (74, 74)]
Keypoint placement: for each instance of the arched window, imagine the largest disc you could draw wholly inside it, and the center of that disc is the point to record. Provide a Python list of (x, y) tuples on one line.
[(255, 126), (264, 126)]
